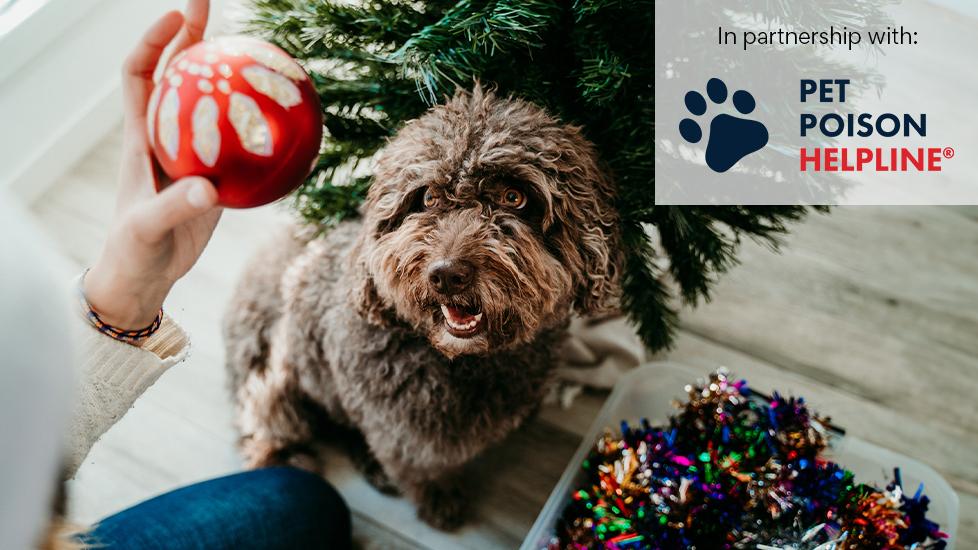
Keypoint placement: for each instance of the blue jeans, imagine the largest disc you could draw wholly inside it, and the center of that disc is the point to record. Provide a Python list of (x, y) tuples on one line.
[(271, 508)]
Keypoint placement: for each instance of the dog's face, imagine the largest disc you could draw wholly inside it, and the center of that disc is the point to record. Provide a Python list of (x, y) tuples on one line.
[(487, 221)]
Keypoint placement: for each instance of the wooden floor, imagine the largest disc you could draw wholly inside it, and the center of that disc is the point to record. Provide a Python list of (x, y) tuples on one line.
[(871, 313)]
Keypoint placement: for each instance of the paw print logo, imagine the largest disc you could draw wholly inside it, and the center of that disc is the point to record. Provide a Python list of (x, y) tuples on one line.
[(731, 138)]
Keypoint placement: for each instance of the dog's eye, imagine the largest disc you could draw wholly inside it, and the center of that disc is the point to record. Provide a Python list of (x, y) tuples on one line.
[(513, 198), (429, 199)]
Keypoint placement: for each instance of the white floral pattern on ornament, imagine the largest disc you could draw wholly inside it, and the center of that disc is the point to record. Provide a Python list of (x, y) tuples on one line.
[(273, 85), (207, 137), (238, 46), (250, 125), (154, 101), (169, 123), (271, 76)]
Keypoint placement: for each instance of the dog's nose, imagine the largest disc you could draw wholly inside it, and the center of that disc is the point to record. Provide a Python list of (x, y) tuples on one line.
[(450, 277)]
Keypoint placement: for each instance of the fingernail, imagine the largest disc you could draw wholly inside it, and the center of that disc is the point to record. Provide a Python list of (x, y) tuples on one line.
[(197, 196)]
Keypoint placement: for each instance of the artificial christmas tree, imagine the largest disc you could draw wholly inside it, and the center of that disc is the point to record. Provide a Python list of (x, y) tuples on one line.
[(380, 63)]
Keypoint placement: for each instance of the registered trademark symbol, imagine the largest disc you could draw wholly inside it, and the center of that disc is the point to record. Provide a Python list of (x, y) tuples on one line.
[(948, 152)]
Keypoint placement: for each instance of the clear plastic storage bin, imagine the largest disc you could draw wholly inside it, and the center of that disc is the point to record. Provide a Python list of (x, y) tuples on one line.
[(648, 392)]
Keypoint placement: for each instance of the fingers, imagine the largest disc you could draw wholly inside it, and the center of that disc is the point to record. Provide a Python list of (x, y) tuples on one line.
[(182, 201), (195, 22), (139, 66)]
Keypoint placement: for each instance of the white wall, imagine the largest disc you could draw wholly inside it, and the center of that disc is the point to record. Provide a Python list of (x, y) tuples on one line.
[(60, 83)]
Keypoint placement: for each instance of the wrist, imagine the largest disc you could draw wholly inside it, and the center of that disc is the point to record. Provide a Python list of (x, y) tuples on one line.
[(122, 301)]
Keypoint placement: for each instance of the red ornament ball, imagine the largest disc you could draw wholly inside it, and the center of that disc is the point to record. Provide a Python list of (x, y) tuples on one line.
[(240, 112)]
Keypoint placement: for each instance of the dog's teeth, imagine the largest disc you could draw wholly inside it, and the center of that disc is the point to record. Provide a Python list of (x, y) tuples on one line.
[(471, 324)]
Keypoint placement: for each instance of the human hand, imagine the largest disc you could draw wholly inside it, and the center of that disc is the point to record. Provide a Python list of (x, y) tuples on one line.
[(155, 238)]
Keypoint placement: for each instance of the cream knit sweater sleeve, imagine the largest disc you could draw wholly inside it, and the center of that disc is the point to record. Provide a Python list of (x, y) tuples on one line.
[(113, 374)]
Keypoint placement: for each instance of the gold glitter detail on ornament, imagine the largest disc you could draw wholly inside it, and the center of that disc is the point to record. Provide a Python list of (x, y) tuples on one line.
[(207, 138), (176, 80), (224, 86), (272, 84), (169, 123), (205, 86), (250, 125), (225, 70), (154, 102)]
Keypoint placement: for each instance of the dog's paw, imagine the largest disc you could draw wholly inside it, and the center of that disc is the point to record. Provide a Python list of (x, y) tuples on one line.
[(259, 453), (375, 475), (369, 467), (263, 454), (443, 506)]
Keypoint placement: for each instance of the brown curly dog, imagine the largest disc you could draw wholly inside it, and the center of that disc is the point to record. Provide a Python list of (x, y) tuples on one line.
[(427, 329)]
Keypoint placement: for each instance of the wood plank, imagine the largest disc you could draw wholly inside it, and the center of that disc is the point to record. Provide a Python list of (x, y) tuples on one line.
[(970, 212), (372, 535)]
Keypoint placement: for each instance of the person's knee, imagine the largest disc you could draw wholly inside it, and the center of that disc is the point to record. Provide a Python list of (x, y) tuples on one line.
[(305, 487), (263, 509), (311, 501)]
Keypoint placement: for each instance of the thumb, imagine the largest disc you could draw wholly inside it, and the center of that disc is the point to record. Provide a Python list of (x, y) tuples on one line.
[(180, 202)]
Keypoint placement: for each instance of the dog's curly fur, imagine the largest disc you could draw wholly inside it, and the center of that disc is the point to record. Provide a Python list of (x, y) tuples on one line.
[(345, 332)]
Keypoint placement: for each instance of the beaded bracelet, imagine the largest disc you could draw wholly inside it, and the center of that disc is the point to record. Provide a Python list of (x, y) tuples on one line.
[(127, 336)]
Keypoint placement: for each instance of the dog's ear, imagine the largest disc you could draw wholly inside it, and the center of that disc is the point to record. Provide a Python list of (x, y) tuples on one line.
[(587, 224), (396, 171), (363, 294), (383, 208), (368, 303), (381, 212)]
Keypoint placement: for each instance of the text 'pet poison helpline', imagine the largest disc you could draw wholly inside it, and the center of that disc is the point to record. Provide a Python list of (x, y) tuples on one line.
[(833, 36)]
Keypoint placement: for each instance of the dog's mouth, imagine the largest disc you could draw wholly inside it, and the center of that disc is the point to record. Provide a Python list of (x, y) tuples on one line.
[(463, 321)]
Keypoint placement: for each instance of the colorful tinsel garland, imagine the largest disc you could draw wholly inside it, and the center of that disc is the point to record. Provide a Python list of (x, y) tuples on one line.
[(735, 469)]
